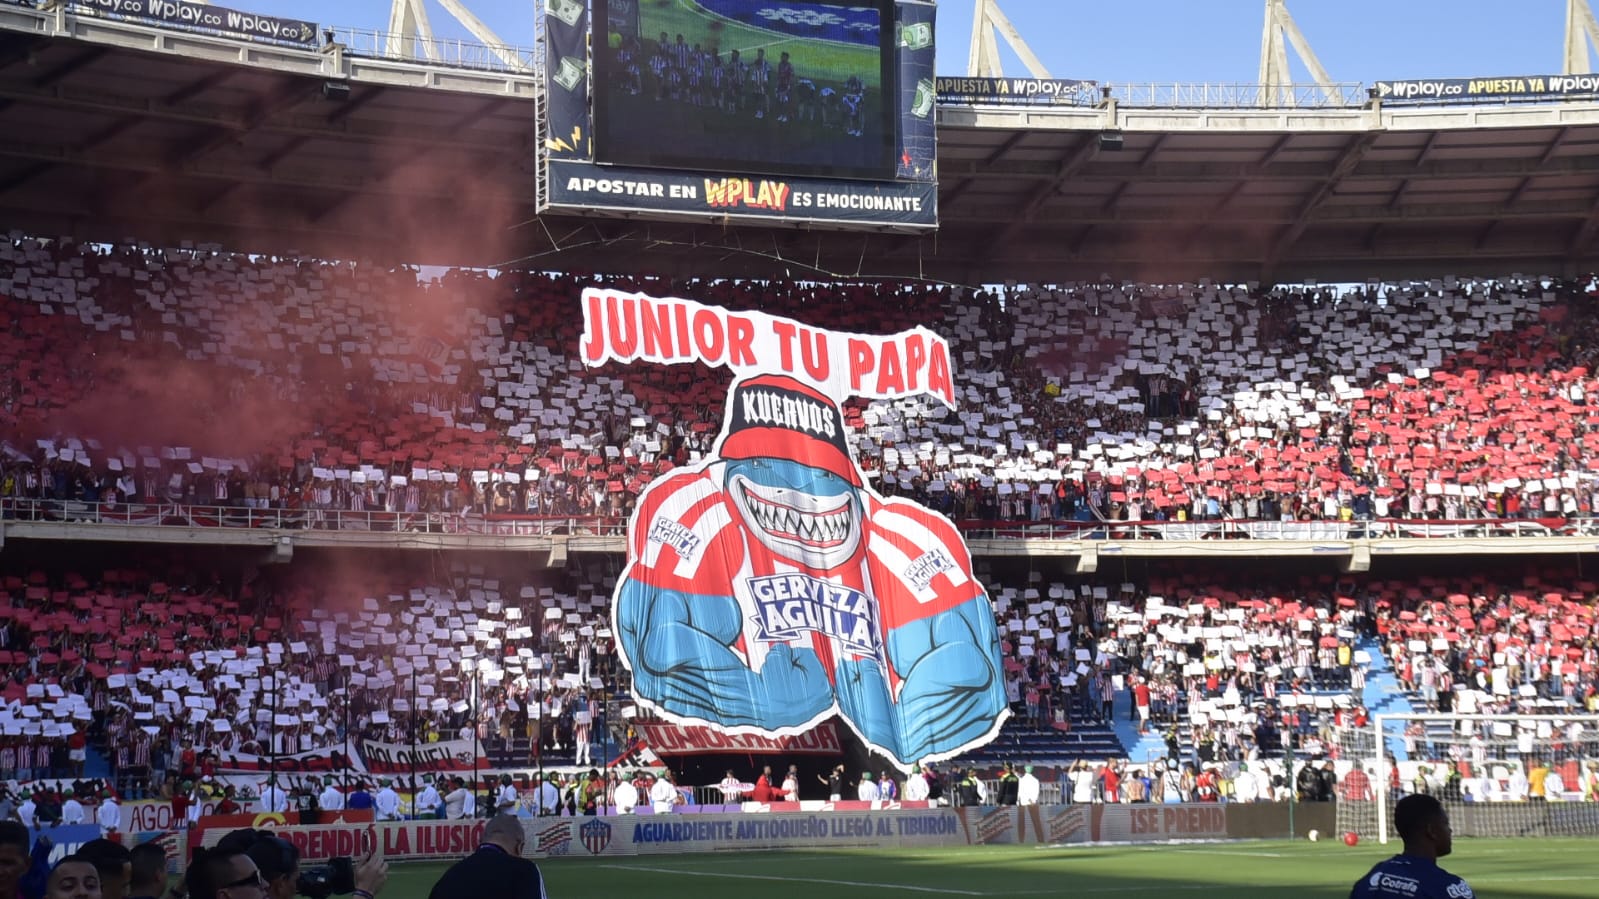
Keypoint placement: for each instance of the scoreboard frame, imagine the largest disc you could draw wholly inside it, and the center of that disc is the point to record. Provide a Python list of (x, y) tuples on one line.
[(575, 179)]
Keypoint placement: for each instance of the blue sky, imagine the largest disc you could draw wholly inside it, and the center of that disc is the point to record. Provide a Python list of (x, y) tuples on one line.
[(1161, 40)]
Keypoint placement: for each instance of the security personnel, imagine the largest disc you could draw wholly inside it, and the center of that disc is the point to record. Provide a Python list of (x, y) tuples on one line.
[(1008, 785), (967, 791)]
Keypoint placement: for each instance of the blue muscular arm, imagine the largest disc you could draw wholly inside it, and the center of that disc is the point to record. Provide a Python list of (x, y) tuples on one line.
[(680, 648), (951, 694)]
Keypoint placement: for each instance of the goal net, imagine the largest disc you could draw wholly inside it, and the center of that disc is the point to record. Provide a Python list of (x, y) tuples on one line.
[(1499, 775)]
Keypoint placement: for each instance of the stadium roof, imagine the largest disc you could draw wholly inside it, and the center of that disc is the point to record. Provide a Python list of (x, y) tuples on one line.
[(117, 131)]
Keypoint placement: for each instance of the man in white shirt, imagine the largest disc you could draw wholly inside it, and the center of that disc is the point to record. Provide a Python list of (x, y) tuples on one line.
[(273, 799), (1518, 786), (791, 784), (28, 811), (550, 796), (469, 807), (866, 790), (1028, 787), (1554, 786), (1246, 788), (916, 785), (109, 816), (426, 803), (197, 799), (626, 797), (663, 793), (455, 802), (387, 802), (330, 800), (1082, 778), (505, 800), (1171, 785), (71, 808)]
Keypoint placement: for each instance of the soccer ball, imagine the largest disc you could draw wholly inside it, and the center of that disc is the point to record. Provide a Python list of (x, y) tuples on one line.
[(1351, 838), (1314, 835)]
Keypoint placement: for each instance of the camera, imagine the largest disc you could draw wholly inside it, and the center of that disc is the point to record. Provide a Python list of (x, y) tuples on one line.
[(337, 877), (276, 857)]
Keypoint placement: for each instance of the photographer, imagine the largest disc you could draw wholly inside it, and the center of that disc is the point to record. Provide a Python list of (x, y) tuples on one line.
[(496, 870), (278, 862)]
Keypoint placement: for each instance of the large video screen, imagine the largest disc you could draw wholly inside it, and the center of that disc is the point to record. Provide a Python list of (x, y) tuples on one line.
[(785, 87)]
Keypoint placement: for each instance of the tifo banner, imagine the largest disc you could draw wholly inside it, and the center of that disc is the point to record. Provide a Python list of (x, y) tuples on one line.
[(400, 758), (1015, 90), (672, 739), (768, 588), (329, 758), (208, 18), (768, 198), (633, 327), (1488, 90)]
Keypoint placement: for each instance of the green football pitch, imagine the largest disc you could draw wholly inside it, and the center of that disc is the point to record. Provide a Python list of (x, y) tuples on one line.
[(1512, 869)]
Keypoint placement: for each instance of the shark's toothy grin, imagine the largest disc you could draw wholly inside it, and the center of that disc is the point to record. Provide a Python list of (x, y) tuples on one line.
[(816, 529)]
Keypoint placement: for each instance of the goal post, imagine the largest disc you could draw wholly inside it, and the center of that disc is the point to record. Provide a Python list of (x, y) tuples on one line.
[(1499, 775)]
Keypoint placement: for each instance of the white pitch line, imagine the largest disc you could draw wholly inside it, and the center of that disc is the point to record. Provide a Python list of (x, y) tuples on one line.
[(1227, 889), (1213, 852), (841, 883)]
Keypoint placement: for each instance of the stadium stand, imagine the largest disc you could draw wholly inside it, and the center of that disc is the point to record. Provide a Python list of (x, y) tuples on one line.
[(1243, 667), (319, 394), (183, 654), (206, 388)]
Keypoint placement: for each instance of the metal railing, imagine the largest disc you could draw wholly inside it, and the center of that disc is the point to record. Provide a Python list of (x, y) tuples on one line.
[(371, 521), (1184, 95), (1177, 95), (1314, 531), (379, 44), (169, 514)]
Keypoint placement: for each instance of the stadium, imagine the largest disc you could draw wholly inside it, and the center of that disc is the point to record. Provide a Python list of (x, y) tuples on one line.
[(974, 485)]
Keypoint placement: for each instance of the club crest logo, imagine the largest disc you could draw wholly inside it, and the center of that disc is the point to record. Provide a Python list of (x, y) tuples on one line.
[(596, 835)]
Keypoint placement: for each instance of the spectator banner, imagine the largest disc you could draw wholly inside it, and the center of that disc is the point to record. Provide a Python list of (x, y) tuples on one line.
[(698, 194), (328, 758), (154, 815), (339, 828), (670, 739), (1488, 90), (204, 17), (66, 839), (400, 758), (757, 829), (768, 588), (1018, 90), (1096, 823)]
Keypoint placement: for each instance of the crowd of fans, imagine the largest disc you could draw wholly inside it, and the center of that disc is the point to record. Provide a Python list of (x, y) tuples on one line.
[(183, 672), (1229, 669), (324, 394), (351, 394)]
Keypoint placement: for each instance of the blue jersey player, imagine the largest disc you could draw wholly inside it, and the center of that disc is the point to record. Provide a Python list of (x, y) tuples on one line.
[(1414, 874)]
